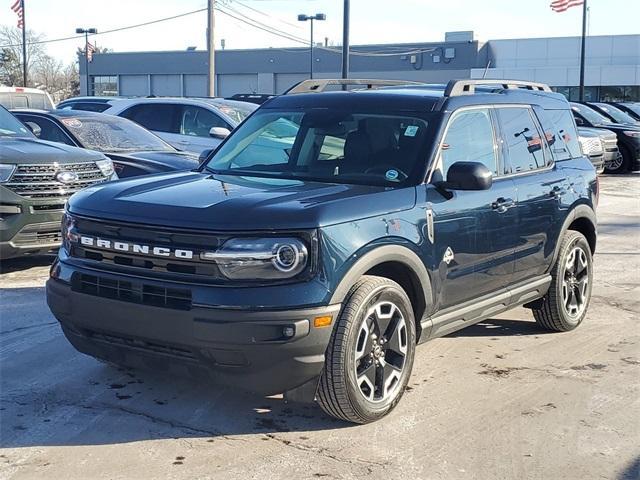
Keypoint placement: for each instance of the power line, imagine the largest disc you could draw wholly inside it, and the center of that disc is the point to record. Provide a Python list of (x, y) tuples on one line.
[(261, 12), (112, 30)]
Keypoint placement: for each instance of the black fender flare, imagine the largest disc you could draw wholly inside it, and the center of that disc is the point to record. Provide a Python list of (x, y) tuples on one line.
[(580, 211), (378, 256)]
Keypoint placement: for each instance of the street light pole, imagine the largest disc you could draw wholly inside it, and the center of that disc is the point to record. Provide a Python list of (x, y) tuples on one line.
[(345, 40), (304, 18), (86, 32)]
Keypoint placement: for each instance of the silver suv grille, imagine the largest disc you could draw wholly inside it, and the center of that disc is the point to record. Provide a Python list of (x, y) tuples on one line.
[(610, 143), (591, 146), (39, 181)]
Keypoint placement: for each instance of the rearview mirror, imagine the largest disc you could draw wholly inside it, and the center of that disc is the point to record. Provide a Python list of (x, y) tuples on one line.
[(469, 176), (34, 127), (205, 154), (219, 132)]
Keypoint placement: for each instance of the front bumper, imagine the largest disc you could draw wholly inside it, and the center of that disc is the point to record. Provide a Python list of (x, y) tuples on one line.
[(28, 226), (246, 348)]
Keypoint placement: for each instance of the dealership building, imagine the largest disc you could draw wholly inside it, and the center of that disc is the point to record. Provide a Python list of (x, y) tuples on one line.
[(612, 66)]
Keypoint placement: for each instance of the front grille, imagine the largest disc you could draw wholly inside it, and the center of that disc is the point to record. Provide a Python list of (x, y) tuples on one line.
[(133, 292), (591, 145), (146, 345), (39, 181), (38, 234), (147, 264)]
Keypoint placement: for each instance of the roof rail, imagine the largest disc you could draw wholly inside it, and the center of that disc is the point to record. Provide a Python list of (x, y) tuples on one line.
[(320, 84), (456, 88)]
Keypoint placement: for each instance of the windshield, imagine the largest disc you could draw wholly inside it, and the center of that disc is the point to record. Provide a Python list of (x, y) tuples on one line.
[(617, 114), (237, 111), (325, 145), (634, 107), (10, 126), (108, 133), (590, 114)]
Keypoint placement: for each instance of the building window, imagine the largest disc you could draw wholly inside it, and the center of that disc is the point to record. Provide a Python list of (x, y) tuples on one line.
[(104, 85), (623, 93)]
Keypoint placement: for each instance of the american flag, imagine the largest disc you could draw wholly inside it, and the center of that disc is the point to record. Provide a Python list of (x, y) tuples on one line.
[(564, 5), (90, 50), (18, 8)]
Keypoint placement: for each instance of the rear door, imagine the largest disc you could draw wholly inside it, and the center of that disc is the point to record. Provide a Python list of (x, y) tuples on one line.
[(540, 187), (472, 234)]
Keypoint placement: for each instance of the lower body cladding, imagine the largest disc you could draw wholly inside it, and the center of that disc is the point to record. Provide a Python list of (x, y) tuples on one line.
[(134, 323)]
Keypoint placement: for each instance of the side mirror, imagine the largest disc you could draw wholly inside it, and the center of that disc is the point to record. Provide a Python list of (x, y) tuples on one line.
[(34, 127), (205, 154), (469, 176), (219, 132)]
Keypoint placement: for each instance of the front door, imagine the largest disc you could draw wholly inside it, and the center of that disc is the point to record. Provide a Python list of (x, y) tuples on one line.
[(473, 233)]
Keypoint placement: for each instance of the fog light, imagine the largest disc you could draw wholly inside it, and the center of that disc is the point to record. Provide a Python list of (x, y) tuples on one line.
[(288, 332), (320, 322)]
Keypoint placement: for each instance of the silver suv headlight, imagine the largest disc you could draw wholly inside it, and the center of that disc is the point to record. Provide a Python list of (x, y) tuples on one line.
[(105, 166), (6, 171), (260, 258)]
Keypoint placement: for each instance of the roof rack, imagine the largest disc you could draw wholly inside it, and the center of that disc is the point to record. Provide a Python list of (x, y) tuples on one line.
[(320, 85), (456, 88)]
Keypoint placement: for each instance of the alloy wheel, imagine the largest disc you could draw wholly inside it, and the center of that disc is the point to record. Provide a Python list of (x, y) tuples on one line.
[(575, 282)]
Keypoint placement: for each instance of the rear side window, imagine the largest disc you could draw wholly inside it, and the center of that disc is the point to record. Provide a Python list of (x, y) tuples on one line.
[(161, 117), (469, 138), (564, 143), (526, 148), (48, 129)]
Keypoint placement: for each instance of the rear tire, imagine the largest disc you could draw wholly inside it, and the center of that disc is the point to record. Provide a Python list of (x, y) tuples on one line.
[(565, 305), (370, 354)]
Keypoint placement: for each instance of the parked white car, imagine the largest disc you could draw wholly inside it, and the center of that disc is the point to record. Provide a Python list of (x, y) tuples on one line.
[(189, 124), (21, 97)]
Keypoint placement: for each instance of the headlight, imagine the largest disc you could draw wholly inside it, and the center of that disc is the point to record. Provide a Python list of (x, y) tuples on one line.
[(260, 258), (105, 166), (5, 172), (632, 133), (68, 233)]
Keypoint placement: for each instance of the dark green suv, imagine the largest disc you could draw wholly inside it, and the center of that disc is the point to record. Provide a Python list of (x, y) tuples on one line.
[(36, 179)]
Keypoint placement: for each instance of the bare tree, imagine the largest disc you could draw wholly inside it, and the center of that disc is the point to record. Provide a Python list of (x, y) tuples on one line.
[(11, 53)]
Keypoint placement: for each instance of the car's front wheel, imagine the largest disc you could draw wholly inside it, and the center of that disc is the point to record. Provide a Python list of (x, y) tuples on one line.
[(370, 355)]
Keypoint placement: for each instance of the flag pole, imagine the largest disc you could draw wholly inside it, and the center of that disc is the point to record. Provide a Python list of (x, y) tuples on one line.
[(582, 48), (24, 47)]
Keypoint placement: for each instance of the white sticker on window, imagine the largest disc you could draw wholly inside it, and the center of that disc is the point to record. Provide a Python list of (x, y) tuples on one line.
[(71, 122), (411, 131)]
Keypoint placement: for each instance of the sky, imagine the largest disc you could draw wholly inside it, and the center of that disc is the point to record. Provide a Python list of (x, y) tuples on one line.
[(372, 21)]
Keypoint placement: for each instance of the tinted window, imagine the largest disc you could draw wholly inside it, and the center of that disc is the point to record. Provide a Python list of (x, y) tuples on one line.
[(564, 140), (198, 121), (88, 106), (48, 129), (525, 146), (469, 138), (161, 117)]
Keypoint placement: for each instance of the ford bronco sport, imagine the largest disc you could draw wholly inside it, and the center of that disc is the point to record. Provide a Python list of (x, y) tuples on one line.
[(313, 264)]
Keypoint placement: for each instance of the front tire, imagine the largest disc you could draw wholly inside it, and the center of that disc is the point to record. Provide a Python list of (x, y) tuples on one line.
[(370, 354), (622, 164), (565, 305)]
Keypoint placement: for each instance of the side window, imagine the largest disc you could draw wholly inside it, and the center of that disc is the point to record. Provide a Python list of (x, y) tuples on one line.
[(198, 121), (565, 144), (161, 117), (89, 106), (469, 138), (526, 148), (48, 129)]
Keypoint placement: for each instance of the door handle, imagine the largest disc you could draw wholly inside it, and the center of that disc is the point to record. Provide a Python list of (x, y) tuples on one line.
[(502, 204)]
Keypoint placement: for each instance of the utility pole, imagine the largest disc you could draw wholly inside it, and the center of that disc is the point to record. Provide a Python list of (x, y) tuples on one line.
[(582, 48), (86, 32), (345, 40), (211, 48), (24, 47)]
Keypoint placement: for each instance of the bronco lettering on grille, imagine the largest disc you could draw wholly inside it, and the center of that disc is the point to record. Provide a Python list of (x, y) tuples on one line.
[(135, 248)]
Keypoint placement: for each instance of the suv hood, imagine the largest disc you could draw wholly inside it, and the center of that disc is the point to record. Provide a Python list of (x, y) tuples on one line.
[(31, 150), (222, 202)]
